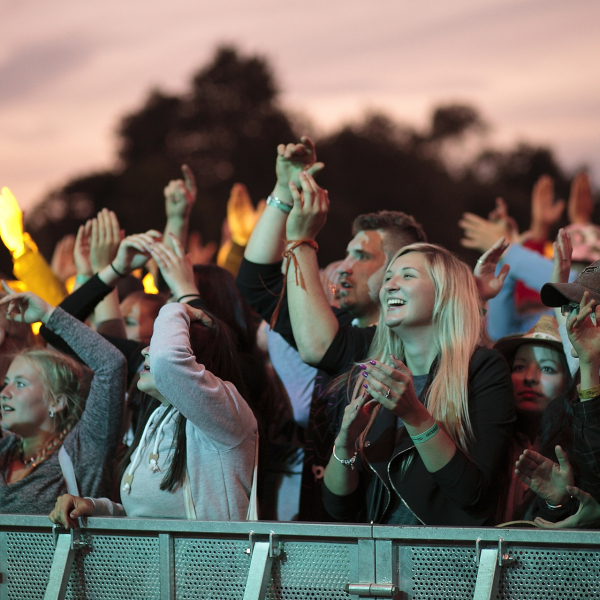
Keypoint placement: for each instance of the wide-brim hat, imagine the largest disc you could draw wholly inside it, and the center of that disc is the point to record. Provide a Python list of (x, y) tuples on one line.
[(545, 331), (559, 294)]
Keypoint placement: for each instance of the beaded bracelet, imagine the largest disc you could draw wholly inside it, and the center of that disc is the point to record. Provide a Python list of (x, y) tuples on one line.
[(347, 462), (426, 435), (277, 203)]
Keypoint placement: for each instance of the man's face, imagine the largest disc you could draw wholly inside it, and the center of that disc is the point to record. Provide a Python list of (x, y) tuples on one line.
[(361, 274)]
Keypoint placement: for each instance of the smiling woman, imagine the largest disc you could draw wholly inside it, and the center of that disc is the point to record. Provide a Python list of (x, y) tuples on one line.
[(430, 410), (48, 402)]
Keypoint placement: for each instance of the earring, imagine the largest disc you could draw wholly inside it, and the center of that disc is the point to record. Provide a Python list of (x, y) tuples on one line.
[(51, 413)]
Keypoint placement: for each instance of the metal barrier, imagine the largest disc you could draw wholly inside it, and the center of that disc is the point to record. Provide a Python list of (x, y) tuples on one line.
[(131, 559)]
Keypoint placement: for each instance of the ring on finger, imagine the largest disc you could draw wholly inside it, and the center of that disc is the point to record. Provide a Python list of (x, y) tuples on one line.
[(387, 394)]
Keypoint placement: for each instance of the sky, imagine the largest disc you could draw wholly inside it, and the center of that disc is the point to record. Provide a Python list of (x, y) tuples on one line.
[(70, 69)]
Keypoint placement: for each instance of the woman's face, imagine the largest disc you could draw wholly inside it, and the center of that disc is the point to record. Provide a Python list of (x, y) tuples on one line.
[(139, 316), (538, 377), (25, 408), (146, 381), (408, 294)]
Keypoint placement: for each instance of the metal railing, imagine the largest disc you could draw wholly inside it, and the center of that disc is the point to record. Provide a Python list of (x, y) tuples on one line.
[(131, 559)]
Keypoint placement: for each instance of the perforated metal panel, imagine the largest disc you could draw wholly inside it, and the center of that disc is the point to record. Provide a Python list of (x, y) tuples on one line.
[(28, 561), (440, 573), (551, 574), (310, 570), (211, 569), (116, 568)]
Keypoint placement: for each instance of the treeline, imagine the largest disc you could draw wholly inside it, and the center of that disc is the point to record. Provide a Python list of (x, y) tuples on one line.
[(226, 128)]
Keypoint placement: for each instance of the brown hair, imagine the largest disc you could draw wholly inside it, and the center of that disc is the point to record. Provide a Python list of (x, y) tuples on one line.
[(402, 229)]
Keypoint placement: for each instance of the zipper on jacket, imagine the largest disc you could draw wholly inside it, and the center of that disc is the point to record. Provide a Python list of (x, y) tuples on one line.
[(394, 488), (382, 481), (392, 484)]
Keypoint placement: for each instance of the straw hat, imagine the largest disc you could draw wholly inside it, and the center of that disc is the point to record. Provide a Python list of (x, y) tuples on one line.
[(545, 331)]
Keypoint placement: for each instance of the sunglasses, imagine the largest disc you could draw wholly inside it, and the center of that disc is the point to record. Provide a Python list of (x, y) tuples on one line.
[(568, 310)]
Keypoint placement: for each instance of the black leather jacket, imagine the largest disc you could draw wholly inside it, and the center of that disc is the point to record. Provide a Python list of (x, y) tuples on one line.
[(465, 491)]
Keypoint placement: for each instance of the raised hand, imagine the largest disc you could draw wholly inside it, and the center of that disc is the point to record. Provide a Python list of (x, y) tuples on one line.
[(500, 211), (544, 211), (175, 266), (293, 159), (133, 251), (584, 335), (200, 254), (24, 307), (11, 223), (309, 213), (241, 214), (180, 195), (69, 508), (81, 251), (587, 515), (581, 203), (563, 250), (63, 264), (481, 234), (546, 478), (105, 238), (488, 283)]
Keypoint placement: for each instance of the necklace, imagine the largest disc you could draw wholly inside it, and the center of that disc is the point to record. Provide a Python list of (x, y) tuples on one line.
[(53, 444)]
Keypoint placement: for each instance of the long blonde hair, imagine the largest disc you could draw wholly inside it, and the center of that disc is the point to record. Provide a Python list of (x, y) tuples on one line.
[(457, 331)]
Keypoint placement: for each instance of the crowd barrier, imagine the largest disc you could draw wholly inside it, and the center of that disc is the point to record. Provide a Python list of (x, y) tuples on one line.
[(131, 559)]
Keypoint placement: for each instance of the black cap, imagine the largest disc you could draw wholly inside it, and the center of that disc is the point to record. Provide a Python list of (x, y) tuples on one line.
[(558, 294)]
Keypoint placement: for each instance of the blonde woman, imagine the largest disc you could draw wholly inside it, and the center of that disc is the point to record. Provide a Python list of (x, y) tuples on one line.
[(48, 403), (431, 411)]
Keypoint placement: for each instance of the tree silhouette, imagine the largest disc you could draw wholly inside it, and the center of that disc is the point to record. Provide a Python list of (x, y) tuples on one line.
[(226, 128)]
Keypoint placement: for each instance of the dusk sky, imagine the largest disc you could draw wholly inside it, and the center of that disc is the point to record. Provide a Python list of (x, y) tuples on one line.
[(69, 69)]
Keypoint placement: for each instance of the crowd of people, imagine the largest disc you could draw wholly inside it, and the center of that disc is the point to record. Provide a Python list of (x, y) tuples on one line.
[(395, 386)]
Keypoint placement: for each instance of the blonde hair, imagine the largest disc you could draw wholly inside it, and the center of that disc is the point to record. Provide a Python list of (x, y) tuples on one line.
[(457, 331), (62, 375)]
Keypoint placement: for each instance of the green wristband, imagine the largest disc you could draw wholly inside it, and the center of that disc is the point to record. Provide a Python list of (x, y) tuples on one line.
[(426, 435)]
